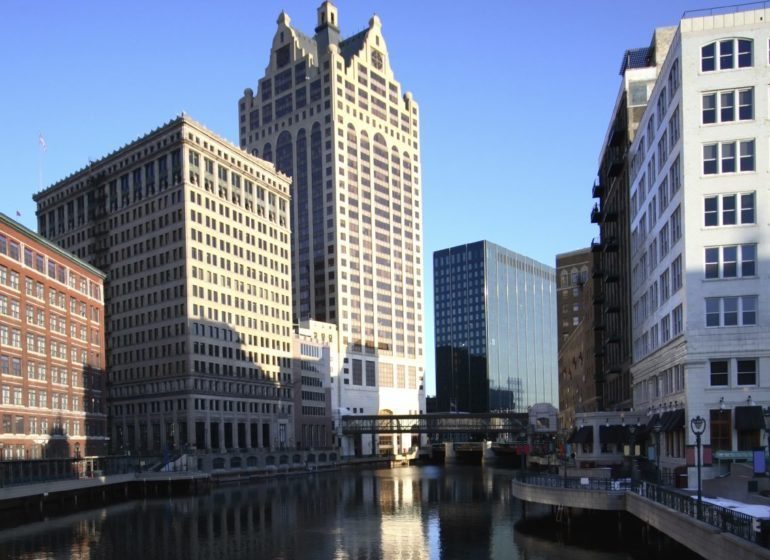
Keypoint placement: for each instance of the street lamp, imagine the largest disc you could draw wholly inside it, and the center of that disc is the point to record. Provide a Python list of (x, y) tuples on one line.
[(698, 426), (632, 454), (656, 428)]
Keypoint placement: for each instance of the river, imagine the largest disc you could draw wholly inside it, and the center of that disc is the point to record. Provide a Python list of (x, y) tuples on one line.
[(458, 512)]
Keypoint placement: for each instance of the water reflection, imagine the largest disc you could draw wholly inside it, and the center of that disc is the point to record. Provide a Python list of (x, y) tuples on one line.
[(408, 513)]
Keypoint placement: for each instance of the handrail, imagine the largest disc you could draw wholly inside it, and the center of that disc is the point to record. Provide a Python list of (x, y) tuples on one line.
[(753, 529)]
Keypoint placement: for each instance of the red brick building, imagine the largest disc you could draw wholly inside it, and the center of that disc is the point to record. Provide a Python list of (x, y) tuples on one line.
[(52, 354)]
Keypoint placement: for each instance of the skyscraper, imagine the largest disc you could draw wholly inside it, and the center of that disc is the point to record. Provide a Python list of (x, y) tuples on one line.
[(496, 332), (194, 236), (330, 113)]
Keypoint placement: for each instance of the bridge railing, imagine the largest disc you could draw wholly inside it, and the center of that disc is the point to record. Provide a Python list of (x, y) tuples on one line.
[(740, 524), (576, 483), (756, 530)]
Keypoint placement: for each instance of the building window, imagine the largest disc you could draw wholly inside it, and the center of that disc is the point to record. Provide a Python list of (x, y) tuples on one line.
[(732, 261), (731, 311), (729, 209), (728, 157), (676, 321), (728, 106), (726, 54), (676, 274), (720, 375), (721, 430), (747, 372)]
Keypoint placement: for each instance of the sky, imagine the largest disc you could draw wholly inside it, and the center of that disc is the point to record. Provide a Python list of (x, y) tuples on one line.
[(515, 98)]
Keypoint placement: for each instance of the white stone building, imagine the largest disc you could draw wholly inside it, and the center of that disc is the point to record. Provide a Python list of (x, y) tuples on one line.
[(193, 234), (330, 113), (700, 240)]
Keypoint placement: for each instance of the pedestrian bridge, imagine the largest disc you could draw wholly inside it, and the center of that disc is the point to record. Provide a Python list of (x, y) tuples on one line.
[(719, 534), (493, 423)]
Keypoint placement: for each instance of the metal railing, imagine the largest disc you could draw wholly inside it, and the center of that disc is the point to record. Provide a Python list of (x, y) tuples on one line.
[(618, 485), (753, 529), (725, 519)]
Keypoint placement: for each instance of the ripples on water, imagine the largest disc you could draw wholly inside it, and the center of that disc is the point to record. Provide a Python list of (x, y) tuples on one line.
[(406, 513)]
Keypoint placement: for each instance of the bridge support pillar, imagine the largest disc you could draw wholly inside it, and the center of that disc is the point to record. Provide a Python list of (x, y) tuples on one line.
[(487, 454), (449, 452)]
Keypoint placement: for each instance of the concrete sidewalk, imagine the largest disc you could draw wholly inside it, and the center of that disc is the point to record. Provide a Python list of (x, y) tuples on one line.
[(736, 486)]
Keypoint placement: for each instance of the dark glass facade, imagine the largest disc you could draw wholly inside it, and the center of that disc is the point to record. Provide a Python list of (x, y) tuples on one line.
[(496, 339)]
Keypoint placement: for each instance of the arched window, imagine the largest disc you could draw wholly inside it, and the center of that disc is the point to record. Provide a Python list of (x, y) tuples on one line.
[(283, 154), (726, 54)]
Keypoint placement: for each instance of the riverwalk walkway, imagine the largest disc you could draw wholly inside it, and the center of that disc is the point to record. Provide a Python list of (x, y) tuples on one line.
[(78, 484), (717, 532)]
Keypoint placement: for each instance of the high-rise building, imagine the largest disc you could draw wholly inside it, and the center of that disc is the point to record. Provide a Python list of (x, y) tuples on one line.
[(612, 273), (194, 236), (314, 355), (330, 113), (579, 390), (496, 336), (52, 358), (699, 235)]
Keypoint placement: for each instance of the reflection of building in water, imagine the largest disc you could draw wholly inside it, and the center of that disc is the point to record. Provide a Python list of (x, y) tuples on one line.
[(463, 524), (403, 534)]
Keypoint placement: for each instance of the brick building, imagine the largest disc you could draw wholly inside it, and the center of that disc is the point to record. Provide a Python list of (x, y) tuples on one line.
[(52, 356)]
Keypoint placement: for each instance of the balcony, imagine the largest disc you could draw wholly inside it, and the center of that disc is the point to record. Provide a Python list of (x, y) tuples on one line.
[(596, 214), (597, 191), (611, 245), (596, 246)]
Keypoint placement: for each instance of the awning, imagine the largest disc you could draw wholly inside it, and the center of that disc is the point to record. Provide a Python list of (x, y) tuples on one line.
[(653, 421), (749, 418), (611, 434), (673, 421), (583, 435)]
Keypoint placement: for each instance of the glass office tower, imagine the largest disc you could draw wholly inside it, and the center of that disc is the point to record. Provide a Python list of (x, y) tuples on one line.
[(496, 339)]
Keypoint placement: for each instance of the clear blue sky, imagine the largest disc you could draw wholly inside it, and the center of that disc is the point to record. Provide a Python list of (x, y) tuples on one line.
[(515, 97)]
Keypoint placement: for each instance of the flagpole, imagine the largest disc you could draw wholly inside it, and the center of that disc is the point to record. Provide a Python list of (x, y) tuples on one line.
[(43, 147)]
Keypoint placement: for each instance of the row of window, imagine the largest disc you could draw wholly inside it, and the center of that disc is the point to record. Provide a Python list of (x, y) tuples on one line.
[(728, 157), (670, 326), (726, 372), (731, 311), (727, 54)]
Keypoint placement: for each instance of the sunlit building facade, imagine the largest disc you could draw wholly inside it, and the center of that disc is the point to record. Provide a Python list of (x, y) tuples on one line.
[(53, 385), (194, 235), (699, 241), (496, 330), (329, 112)]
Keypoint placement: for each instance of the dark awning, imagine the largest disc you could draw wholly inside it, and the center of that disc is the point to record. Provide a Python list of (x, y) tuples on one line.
[(653, 421), (583, 435), (749, 418), (610, 434), (673, 421)]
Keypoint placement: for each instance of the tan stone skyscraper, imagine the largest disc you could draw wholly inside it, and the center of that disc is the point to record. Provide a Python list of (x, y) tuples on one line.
[(330, 113), (194, 235)]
